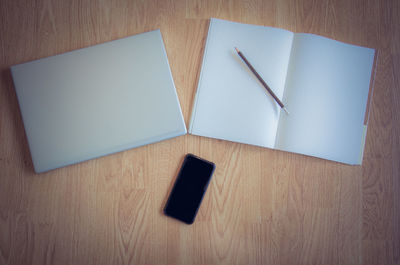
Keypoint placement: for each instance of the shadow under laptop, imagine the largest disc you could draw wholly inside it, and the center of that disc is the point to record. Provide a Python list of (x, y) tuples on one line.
[(14, 140)]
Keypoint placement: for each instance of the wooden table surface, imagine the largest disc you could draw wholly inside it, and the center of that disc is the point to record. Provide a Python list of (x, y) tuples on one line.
[(263, 206)]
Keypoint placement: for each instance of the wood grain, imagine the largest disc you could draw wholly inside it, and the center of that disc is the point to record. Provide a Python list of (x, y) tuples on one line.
[(262, 207)]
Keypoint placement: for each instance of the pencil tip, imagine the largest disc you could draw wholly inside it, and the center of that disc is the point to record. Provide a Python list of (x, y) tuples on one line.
[(287, 112), (237, 50)]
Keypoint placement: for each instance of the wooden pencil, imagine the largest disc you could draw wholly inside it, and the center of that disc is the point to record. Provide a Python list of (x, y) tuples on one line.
[(262, 81)]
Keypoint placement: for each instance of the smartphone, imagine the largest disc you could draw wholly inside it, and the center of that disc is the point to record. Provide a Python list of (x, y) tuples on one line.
[(189, 188)]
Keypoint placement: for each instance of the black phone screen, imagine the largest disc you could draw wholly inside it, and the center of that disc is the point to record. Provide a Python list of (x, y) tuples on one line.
[(189, 188)]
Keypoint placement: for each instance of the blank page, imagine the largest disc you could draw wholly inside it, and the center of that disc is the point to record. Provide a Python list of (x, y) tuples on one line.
[(326, 93), (230, 103), (98, 100)]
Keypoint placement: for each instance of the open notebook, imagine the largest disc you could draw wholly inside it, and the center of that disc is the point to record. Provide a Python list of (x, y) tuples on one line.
[(323, 83), (98, 100)]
